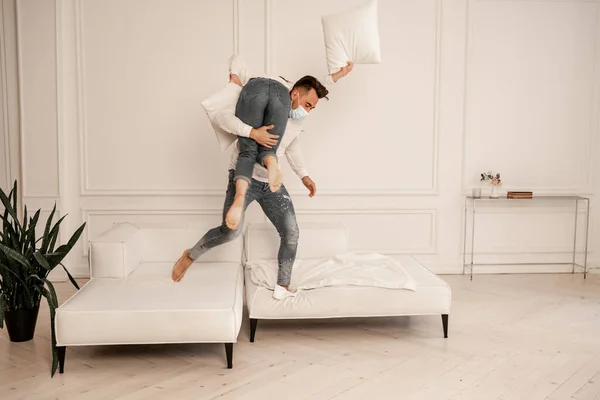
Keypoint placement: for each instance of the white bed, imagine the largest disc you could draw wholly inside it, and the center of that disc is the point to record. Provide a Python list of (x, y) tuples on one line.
[(432, 296)]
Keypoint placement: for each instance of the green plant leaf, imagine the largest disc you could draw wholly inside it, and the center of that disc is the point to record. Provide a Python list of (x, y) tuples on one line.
[(1, 310), (52, 291), (54, 350), (29, 237), (53, 308), (52, 304), (63, 250), (70, 277), (12, 237), (47, 229), (10, 271), (15, 255), (52, 242), (9, 208), (34, 220), (76, 236), (52, 237), (25, 219), (42, 260)]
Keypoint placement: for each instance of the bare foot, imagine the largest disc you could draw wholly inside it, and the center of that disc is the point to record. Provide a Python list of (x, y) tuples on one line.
[(232, 219), (181, 266), (235, 79), (275, 178)]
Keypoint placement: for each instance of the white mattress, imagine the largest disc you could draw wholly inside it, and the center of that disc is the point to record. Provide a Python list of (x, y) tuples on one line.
[(148, 307), (431, 297)]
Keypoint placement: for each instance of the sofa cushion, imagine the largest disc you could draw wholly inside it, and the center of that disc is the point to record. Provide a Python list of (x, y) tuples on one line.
[(148, 307), (431, 296), (317, 240), (118, 251), (164, 244), (352, 35)]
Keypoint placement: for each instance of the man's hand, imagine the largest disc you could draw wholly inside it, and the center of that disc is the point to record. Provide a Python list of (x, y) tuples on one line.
[(264, 138), (310, 185), (343, 72)]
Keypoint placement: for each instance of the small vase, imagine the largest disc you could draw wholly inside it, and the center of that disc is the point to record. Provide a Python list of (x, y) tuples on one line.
[(494, 193), (21, 324)]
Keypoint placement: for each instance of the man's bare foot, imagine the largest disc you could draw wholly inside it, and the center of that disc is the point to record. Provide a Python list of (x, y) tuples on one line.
[(234, 215), (275, 178), (181, 266)]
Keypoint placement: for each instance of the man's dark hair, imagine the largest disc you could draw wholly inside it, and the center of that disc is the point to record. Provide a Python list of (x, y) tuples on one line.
[(310, 82)]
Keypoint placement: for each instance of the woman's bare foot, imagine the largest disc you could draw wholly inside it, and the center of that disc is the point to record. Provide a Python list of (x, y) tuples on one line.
[(237, 67), (235, 79), (181, 266), (275, 177), (232, 219)]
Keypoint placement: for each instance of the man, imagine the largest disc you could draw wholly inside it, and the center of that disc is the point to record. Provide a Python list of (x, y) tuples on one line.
[(277, 205)]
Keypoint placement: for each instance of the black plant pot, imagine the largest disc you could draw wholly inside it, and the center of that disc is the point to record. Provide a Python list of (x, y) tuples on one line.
[(21, 324)]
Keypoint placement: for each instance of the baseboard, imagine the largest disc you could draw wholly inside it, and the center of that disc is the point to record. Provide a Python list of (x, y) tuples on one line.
[(509, 264)]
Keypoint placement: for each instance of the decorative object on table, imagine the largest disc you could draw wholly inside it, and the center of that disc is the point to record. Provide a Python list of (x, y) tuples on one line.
[(476, 193), (25, 262), (494, 180), (519, 195)]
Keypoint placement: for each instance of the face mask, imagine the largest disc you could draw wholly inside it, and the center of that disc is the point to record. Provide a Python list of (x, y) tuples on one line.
[(299, 112)]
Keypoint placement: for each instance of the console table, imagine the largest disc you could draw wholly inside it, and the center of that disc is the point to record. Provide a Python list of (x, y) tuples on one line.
[(471, 209)]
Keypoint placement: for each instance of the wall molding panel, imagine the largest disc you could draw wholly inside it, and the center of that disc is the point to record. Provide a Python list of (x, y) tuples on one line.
[(468, 132), (27, 97)]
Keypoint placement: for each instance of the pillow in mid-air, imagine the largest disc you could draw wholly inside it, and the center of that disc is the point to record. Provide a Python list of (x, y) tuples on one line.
[(352, 35), (224, 100)]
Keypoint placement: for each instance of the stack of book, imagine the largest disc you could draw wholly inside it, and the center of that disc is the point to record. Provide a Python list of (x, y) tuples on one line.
[(519, 195)]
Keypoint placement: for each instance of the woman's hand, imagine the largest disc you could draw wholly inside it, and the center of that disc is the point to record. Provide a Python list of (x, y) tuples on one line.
[(343, 71)]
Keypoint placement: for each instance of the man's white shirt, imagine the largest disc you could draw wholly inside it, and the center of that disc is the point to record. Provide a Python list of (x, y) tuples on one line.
[(289, 144)]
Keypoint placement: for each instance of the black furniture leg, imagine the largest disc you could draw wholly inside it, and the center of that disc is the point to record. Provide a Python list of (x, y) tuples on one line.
[(445, 324), (253, 324), (62, 351), (229, 352)]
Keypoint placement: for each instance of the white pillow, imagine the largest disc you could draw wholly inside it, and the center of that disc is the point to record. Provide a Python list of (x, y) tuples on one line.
[(223, 100), (352, 35)]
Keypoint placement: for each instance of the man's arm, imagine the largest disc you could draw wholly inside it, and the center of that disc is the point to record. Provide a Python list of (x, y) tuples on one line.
[(293, 153), (294, 156), (232, 124)]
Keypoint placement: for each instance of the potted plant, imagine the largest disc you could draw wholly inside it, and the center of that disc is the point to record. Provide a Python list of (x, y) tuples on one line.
[(494, 180), (25, 262)]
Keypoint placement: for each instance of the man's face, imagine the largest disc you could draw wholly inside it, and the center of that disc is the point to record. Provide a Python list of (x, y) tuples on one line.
[(307, 99)]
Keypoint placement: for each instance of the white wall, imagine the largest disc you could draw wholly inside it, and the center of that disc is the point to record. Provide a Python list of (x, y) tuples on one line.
[(464, 86)]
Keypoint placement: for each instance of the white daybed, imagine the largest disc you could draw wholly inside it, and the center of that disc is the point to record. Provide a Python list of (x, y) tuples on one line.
[(432, 296)]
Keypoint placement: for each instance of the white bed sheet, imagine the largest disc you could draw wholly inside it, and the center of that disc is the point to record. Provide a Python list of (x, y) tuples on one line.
[(431, 297), (348, 269)]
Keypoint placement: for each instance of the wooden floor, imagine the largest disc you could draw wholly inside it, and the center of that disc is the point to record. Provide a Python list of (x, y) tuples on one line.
[(511, 337)]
